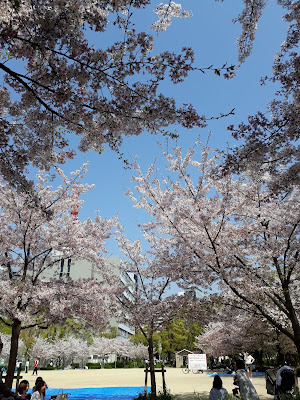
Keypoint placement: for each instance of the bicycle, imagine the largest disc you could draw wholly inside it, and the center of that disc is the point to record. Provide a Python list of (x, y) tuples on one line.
[(186, 370)]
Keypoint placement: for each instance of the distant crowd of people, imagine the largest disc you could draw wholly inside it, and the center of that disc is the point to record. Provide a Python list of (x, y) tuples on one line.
[(19, 366)]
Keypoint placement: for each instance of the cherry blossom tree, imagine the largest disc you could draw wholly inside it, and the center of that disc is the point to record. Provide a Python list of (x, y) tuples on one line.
[(233, 331), (6, 345), (147, 305), (56, 81), (227, 231), (269, 140), (35, 235), (42, 349), (102, 346), (140, 351), (126, 348), (67, 348), (71, 347)]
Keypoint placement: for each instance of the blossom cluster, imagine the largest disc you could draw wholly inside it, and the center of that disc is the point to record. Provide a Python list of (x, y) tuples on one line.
[(208, 229), (166, 12), (36, 233), (72, 347), (56, 82)]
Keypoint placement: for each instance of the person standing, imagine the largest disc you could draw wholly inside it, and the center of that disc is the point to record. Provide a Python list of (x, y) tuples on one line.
[(26, 366), (35, 366), (19, 367), (249, 360)]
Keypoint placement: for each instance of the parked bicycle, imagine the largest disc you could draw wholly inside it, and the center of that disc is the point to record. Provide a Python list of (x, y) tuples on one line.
[(186, 370)]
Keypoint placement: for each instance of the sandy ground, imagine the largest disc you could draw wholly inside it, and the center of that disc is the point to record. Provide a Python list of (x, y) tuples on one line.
[(184, 386)]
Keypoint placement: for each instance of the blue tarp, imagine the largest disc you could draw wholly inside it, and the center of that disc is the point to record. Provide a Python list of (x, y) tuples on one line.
[(106, 393), (221, 374)]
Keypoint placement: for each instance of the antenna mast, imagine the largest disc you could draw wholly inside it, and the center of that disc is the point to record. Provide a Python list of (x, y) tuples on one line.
[(74, 211)]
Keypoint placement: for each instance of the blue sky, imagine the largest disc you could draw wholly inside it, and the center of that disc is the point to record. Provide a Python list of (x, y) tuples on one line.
[(212, 35)]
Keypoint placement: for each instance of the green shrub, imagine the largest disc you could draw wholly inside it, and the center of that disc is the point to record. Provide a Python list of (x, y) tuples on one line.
[(109, 365), (120, 364), (226, 397), (47, 368), (93, 365), (75, 365), (160, 396), (272, 362), (288, 397), (138, 363), (134, 364)]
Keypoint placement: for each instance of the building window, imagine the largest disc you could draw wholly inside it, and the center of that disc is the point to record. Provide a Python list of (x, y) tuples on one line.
[(62, 262), (69, 266)]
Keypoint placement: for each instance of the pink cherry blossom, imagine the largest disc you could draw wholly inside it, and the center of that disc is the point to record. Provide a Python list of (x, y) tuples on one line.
[(230, 232), (37, 232), (147, 305), (56, 82)]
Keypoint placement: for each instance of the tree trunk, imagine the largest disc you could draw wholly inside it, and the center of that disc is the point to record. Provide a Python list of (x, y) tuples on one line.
[(151, 366), (297, 344), (293, 317), (15, 333)]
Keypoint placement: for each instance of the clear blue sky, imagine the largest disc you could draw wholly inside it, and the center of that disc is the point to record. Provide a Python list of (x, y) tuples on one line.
[(212, 35)]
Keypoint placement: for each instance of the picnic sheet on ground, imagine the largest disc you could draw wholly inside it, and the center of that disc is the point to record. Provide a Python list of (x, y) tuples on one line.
[(104, 393)]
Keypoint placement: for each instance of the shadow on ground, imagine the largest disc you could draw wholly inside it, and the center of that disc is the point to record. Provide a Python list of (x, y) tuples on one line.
[(191, 396)]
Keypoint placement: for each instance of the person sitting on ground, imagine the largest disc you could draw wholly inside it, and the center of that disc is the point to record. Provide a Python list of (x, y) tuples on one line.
[(38, 379), (245, 386), (217, 391), (40, 387), (23, 389)]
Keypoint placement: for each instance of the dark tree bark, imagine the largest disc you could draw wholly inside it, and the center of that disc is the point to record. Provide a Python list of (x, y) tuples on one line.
[(15, 334), (151, 365)]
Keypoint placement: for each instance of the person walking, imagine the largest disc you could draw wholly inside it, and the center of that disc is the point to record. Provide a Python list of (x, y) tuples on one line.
[(35, 366), (249, 360), (26, 366)]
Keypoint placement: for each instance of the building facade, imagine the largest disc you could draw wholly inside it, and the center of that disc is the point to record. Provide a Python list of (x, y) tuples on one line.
[(83, 269)]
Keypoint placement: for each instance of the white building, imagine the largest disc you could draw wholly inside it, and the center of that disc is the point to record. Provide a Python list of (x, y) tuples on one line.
[(83, 269)]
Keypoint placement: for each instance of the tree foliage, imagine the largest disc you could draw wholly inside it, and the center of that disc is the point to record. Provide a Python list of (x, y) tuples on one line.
[(226, 231), (56, 81), (268, 142), (36, 233)]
